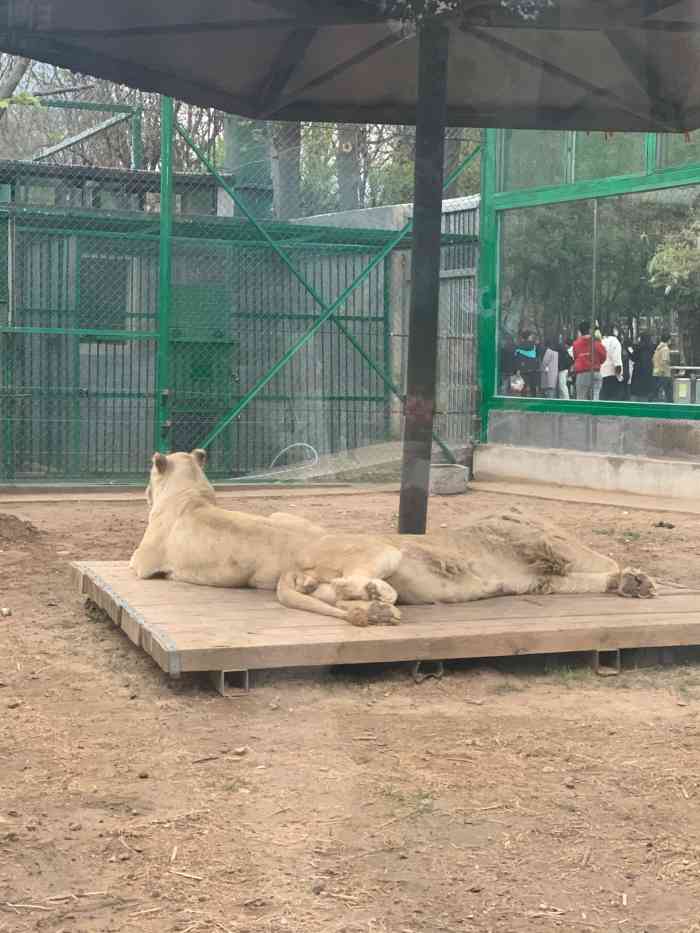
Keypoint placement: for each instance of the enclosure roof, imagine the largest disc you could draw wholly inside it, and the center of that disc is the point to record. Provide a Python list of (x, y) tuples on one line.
[(141, 180), (584, 64), (316, 237)]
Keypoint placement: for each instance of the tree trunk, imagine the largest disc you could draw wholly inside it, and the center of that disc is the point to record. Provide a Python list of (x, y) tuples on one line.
[(9, 83), (285, 156), (452, 153), (347, 162)]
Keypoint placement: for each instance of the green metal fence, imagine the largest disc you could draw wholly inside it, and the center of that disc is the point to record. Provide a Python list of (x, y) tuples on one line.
[(143, 311)]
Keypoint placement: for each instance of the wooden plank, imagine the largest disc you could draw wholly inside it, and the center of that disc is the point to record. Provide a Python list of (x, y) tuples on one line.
[(189, 628), (98, 590), (202, 601), (76, 576), (132, 624), (462, 645)]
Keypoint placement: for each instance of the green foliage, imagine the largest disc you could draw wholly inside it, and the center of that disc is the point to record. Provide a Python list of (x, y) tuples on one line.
[(21, 99), (675, 266), (552, 260), (319, 183)]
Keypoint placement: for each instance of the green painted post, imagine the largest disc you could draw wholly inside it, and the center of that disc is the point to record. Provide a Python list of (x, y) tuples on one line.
[(137, 139), (8, 345), (162, 440), (74, 342), (386, 271), (650, 153), (488, 284)]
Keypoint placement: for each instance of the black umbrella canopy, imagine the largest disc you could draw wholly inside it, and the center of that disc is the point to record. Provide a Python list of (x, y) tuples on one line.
[(542, 64), (584, 64)]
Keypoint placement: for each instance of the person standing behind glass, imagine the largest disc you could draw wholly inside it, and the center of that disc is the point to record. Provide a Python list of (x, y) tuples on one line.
[(611, 371), (506, 366), (527, 362), (627, 365), (587, 363), (564, 363), (549, 367), (642, 383), (597, 375), (662, 369)]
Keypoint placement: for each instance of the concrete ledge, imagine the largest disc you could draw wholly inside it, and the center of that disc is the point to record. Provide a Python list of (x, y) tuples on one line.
[(678, 479)]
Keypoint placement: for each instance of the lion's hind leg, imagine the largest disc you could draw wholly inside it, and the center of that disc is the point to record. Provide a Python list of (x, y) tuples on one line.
[(298, 591), (371, 589), (295, 591), (362, 612)]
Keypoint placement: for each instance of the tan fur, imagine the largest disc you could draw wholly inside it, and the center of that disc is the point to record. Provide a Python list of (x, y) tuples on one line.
[(356, 577)]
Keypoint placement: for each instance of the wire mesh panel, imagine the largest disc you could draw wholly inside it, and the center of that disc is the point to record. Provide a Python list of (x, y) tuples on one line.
[(251, 298), (317, 302), (78, 272)]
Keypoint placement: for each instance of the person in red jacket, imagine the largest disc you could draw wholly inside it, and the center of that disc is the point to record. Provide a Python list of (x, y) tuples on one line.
[(589, 355)]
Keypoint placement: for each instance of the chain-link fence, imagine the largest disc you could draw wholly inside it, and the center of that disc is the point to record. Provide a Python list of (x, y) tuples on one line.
[(248, 304)]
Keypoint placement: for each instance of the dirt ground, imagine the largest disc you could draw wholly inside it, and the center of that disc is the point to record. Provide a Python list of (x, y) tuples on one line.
[(510, 798)]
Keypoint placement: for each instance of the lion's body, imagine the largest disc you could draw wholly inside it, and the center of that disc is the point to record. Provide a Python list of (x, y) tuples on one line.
[(358, 577)]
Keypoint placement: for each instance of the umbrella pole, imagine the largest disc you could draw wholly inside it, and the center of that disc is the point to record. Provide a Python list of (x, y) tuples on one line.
[(431, 114)]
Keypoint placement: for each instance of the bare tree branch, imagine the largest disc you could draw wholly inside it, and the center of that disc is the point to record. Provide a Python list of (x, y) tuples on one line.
[(9, 83)]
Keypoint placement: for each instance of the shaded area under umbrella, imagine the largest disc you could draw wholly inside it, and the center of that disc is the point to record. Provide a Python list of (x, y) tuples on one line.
[(626, 65)]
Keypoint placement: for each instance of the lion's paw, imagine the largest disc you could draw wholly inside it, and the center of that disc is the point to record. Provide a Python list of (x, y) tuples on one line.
[(380, 591), (383, 614), (358, 616), (636, 585), (362, 613)]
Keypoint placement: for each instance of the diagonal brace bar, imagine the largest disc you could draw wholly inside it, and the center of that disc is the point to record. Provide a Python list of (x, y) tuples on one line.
[(80, 137), (327, 310)]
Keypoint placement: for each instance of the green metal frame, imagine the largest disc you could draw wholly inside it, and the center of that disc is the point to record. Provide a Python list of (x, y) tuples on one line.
[(160, 236), (493, 204), (328, 311), (121, 113)]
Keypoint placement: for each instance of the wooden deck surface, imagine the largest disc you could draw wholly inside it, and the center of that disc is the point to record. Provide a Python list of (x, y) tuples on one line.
[(194, 628)]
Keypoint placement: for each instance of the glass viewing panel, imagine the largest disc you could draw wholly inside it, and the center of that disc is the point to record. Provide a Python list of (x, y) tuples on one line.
[(540, 159), (677, 149), (599, 155), (533, 158), (628, 265)]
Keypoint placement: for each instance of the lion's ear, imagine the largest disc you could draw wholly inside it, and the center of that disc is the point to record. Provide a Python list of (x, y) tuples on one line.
[(200, 456), (160, 462)]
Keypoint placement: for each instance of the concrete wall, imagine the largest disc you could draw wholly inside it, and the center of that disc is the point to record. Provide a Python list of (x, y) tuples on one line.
[(639, 437), (678, 479), (389, 217), (646, 456)]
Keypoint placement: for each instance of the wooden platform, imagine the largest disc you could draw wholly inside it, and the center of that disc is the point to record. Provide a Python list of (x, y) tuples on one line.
[(194, 628)]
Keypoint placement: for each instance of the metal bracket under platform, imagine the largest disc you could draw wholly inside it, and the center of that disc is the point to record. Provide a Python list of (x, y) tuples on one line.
[(607, 663), (231, 683), (422, 670)]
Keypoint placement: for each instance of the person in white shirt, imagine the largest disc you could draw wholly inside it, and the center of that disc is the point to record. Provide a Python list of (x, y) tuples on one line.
[(612, 389)]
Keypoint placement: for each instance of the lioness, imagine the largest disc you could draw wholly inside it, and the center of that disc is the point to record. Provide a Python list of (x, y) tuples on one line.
[(356, 577)]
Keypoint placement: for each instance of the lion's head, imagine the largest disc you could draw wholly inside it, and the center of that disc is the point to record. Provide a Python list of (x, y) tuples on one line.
[(171, 473)]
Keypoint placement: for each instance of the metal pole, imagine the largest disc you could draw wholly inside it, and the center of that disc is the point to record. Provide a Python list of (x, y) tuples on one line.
[(431, 114), (162, 425), (594, 296)]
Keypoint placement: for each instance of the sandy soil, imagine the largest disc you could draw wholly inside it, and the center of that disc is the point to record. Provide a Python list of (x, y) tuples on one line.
[(523, 797)]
